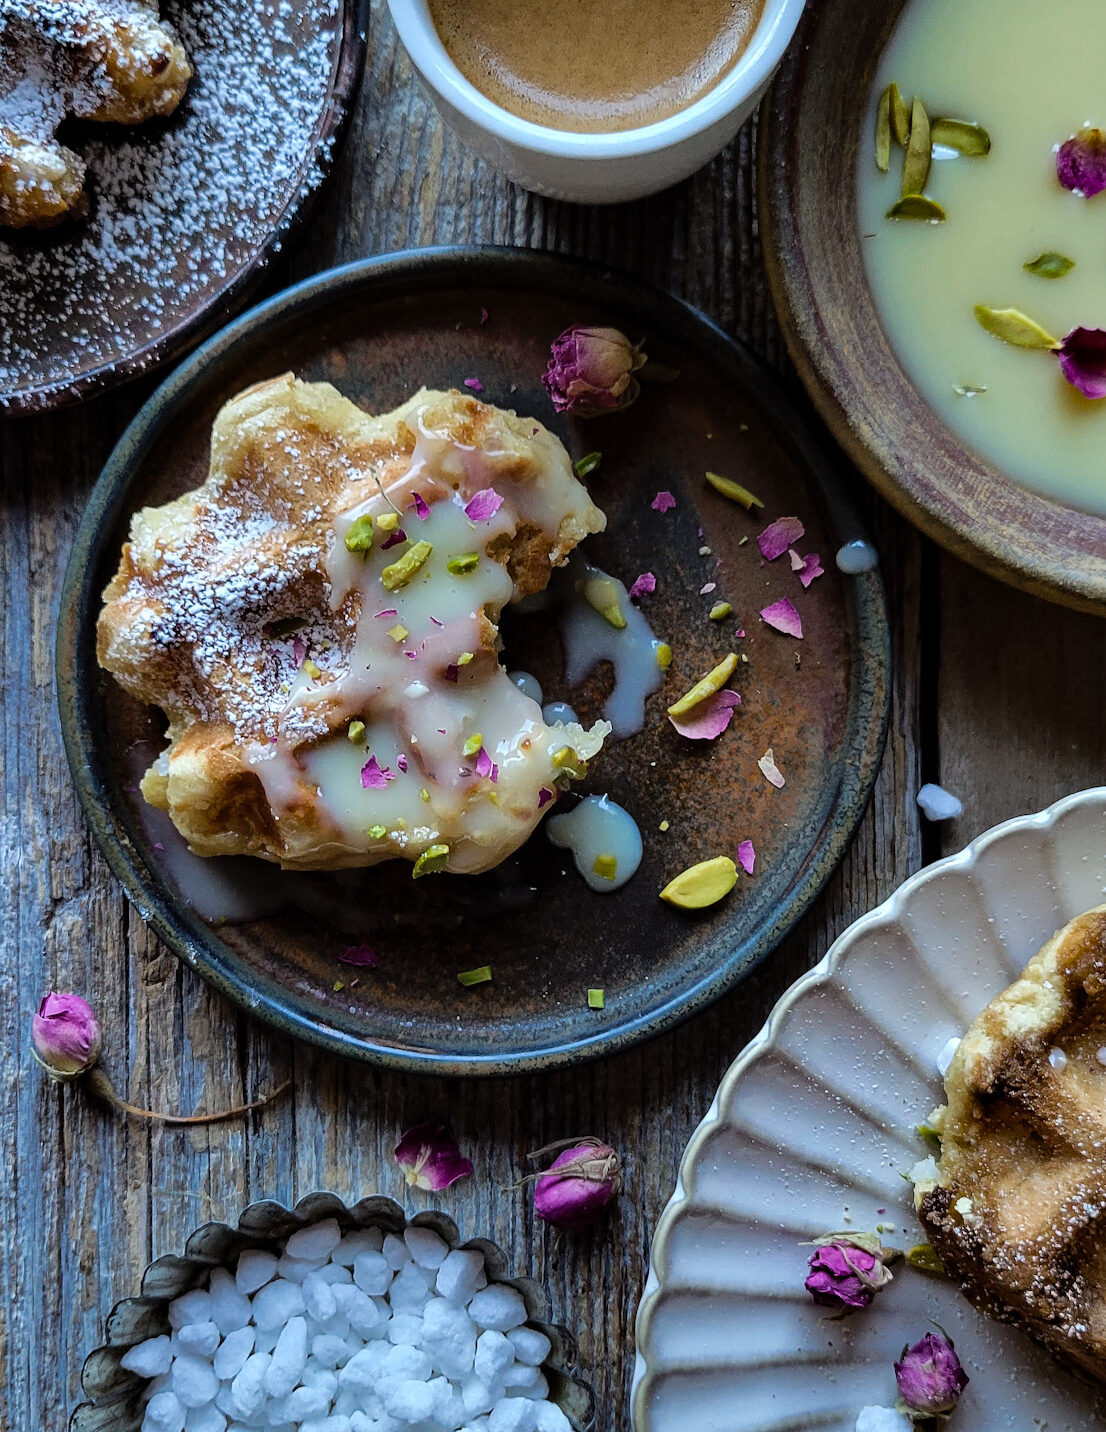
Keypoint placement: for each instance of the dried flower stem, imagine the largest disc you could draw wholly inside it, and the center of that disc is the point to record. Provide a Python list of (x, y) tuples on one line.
[(100, 1084)]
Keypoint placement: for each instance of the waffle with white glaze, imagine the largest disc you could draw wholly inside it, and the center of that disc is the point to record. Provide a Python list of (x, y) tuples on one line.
[(330, 708), (1016, 1205), (110, 61)]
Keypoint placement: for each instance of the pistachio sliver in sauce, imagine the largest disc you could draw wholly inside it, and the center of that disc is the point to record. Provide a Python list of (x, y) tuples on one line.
[(1012, 326), (900, 115), (917, 206), (1050, 265), (919, 149), (971, 140), (883, 132)]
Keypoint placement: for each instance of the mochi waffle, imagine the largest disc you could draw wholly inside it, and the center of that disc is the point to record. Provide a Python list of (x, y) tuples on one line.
[(1016, 1208), (318, 623), (106, 60)]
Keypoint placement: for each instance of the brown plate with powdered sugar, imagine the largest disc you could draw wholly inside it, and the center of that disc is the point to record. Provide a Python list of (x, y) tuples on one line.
[(183, 213)]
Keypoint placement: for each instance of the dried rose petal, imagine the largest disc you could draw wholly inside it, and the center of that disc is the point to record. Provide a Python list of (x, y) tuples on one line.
[(746, 856), (812, 567), (545, 795), (483, 505), (451, 673), (422, 510), (783, 616), (483, 764), (1082, 357), (374, 776), (770, 770), (709, 717), (642, 585), (387, 612), (430, 1159), (364, 956), (778, 536), (394, 539), (401, 759), (1081, 163), (475, 384), (663, 502), (299, 650)]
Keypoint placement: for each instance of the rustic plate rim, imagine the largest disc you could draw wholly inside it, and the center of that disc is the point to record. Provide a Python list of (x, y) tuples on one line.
[(348, 62), (869, 692), (795, 301)]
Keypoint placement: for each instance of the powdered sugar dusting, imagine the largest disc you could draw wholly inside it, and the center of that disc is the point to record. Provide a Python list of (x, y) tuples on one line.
[(244, 143)]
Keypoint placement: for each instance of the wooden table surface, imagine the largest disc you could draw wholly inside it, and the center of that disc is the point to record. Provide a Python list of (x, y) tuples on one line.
[(997, 695)]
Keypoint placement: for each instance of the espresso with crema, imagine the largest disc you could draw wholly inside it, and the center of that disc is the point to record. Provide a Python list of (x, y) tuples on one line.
[(595, 67)]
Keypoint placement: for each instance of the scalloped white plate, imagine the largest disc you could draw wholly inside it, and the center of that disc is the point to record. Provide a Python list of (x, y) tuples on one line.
[(812, 1129)]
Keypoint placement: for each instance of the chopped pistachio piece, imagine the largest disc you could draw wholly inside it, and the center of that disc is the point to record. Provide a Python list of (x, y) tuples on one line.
[(719, 611), (925, 1259), (473, 744), (971, 140), (586, 465), (919, 152), (702, 885), (377, 832), (664, 825), (917, 206), (398, 574), (1012, 326), (1050, 265), (388, 521), (596, 999), (464, 658), (606, 867), (338, 986), (602, 594), (397, 632), (883, 132), (569, 764), (359, 535), (424, 794), (929, 1133), (466, 562), (431, 861), (356, 731), (734, 491), (900, 116), (712, 682), (664, 655), (312, 670), (469, 978)]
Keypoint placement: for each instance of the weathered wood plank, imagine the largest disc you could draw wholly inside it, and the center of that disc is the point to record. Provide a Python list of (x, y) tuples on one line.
[(86, 1199)]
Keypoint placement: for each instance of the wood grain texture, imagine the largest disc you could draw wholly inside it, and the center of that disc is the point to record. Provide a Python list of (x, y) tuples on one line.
[(997, 694)]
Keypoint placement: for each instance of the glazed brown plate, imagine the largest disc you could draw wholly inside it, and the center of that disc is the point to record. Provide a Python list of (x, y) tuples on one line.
[(378, 330), (817, 277), (183, 213)]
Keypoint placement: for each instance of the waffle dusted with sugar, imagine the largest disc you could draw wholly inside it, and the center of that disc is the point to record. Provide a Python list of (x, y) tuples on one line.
[(1016, 1206), (112, 61), (318, 622)]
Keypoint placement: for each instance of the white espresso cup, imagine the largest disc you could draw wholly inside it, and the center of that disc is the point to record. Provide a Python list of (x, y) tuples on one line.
[(597, 168)]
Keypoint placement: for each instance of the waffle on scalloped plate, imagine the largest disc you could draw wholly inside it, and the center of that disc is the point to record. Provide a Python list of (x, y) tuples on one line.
[(318, 621), (112, 61), (1016, 1205)]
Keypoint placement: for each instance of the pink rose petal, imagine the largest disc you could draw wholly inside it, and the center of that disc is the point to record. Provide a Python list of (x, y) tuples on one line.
[(401, 762), (778, 536), (364, 956), (483, 764), (1081, 163), (475, 384), (783, 616), (483, 316), (642, 585), (494, 775), (707, 588), (387, 612), (1082, 358), (374, 776), (422, 510), (430, 1159), (299, 650), (812, 567), (393, 539), (708, 718), (770, 770), (545, 795), (663, 502), (451, 673), (482, 506), (746, 856)]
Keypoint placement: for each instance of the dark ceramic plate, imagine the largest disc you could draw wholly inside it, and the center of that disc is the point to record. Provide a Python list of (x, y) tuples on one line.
[(378, 329), (817, 275), (183, 213)]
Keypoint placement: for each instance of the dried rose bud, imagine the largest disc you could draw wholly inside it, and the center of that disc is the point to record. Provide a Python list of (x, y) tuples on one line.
[(847, 1270), (1082, 357), (591, 371), (577, 1186), (930, 1376), (66, 1036), (1081, 162), (430, 1158)]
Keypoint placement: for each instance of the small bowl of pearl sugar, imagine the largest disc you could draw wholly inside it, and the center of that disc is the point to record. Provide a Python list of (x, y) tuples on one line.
[(325, 1318)]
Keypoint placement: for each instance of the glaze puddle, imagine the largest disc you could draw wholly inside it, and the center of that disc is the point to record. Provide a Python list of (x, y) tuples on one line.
[(604, 840)]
